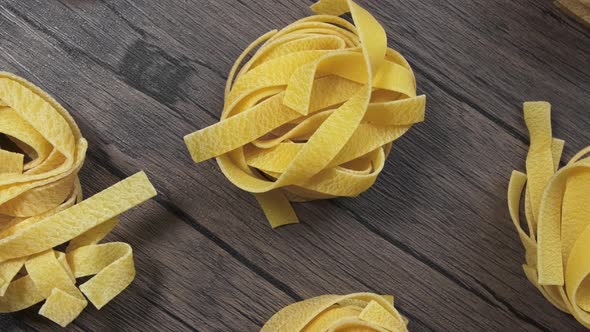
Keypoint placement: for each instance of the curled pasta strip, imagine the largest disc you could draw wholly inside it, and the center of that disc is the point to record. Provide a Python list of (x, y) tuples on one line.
[(355, 312), (41, 207), (314, 111), (557, 210)]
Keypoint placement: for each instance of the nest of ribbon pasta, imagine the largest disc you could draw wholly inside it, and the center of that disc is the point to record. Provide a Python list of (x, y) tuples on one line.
[(557, 210), (41, 207), (353, 312), (314, 111)]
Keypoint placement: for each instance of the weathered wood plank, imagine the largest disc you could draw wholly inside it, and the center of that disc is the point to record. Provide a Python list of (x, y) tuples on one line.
[(13, 323), (453, 214), (493, 55), (517, 51), (157, 59), (179, 176)]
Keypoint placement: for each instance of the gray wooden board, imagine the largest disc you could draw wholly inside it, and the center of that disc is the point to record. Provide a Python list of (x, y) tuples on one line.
[(434, 230)]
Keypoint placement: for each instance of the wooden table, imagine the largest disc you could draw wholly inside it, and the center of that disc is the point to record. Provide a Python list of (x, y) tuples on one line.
[(434, 231)]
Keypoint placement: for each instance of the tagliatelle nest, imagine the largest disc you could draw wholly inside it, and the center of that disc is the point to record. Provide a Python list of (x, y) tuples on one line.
[(355, 312), (557, 207), (313, 113), (39, 192)]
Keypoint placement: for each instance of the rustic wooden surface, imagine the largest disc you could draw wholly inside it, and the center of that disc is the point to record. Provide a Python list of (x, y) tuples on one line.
[(139, 74)]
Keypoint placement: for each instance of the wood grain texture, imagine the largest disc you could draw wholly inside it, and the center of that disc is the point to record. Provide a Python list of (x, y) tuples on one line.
[(138, 75)]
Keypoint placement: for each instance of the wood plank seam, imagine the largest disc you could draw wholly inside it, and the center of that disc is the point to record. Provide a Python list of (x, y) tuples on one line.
[(515, 133), (180, 214), (173, 209), (568, 20), (169, 313), (509, 308)]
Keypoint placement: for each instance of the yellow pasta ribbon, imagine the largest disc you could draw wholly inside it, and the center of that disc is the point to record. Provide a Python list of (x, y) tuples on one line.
[(557, 210), (314, 111), (359, 312), (39, 189)]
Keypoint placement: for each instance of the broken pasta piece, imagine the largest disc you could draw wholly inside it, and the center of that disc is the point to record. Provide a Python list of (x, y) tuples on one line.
[(557, 206), (359, 312), (39, 189), (579, 9), (313, 113)]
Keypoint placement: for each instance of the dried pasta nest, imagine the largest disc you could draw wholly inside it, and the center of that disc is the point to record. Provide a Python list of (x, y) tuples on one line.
[(314, 111), (41, 207), (557, 206)]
